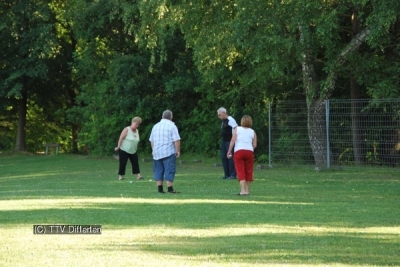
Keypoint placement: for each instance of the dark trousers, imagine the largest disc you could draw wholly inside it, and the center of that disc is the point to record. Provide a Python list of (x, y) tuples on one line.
[(123, 160), (227, 164)]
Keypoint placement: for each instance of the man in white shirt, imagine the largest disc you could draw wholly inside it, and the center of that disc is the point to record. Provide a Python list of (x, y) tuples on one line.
[(166, 145), (228, 125)]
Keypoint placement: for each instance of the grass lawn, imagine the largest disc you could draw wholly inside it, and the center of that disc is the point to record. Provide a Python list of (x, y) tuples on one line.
[(293, 217)]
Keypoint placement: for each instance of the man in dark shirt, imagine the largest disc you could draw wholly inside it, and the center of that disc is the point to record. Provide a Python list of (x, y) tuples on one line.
[(227, 127)]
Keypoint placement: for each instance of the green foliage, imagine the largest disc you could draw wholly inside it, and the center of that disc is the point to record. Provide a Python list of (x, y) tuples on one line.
[(384, 14), (7, 116), (205, 139), (133, 81), (263, 158), (28, 41), (41, 130), (90, 66), (33, 66)]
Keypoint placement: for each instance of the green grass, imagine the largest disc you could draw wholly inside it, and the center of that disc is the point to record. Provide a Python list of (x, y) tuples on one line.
[(293, 217)]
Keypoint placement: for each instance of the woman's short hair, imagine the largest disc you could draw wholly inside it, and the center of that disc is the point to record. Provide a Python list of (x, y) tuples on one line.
[(246, 121), (138, 120)]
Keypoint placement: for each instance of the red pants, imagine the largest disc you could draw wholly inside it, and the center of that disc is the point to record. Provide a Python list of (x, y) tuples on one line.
[(244, 162)]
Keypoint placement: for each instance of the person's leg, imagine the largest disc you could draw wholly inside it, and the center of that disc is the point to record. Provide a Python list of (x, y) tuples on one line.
[(249, 162), (231, 164), (240, 168), (224, 159), (239, 165), (242, 187), (135, 165), (248, 183), (170, 170), (170, 186), (158, 174), (123, 159)]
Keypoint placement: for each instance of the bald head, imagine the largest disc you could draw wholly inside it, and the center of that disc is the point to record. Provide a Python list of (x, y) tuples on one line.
[(167, 114)]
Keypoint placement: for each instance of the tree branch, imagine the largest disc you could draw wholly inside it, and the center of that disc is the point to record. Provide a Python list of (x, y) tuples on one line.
[(354, 44)]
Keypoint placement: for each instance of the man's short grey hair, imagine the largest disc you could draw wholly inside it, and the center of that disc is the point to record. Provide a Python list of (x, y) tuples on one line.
[(167, 114), (222, 109)]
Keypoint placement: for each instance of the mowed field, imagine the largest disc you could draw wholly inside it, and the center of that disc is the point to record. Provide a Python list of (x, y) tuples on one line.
[(293, 217)]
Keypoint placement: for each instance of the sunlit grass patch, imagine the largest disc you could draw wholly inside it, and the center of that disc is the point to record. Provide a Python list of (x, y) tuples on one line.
[(35, 204)]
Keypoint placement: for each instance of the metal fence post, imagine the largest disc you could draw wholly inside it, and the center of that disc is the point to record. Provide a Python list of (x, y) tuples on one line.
[(328, 158)]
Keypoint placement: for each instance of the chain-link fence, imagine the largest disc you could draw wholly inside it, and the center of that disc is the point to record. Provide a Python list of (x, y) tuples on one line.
[(354, 132)]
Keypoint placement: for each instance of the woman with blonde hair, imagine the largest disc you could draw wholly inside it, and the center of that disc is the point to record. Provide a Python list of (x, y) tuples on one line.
[(127, 148), (244, 139)]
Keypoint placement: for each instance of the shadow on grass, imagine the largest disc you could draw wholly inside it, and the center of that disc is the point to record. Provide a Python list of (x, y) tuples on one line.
[(364, 249), (194, 213)]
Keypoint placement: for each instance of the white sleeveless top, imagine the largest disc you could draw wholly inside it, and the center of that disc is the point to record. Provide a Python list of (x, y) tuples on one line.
[(130, 143), (244, 139)]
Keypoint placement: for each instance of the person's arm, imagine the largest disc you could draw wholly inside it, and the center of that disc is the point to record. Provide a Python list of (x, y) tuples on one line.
[(255, 140), (232, 122), (233, 140), (152, 147), (177, 148), (121, 137)]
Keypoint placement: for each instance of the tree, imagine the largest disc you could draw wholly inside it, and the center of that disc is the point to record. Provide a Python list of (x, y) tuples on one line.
[(319, 89), (295, 44), (120, 77), (94, 65), (29, 46)]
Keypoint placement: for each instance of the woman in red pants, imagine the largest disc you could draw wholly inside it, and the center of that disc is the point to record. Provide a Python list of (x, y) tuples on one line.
[(245, 140)]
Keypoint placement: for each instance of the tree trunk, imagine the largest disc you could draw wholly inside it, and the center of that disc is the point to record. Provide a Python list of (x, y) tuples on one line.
[(20, 144), (316, 121), (357, 135), (75, 131), (72, 94), (316, 95), (355, 93), (74, 126)]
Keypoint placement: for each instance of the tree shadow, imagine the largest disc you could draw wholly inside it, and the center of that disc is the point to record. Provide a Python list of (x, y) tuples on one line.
[(265, 248)]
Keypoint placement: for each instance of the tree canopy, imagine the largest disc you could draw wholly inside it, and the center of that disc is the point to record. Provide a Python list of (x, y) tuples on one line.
[(83, 69)]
